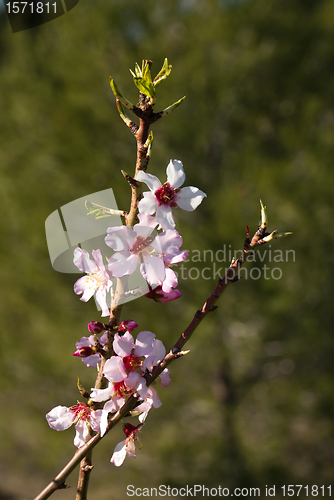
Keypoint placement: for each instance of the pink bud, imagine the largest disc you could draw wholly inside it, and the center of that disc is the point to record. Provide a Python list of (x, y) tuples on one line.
[(127, 325), (96, 327), (84, 352)]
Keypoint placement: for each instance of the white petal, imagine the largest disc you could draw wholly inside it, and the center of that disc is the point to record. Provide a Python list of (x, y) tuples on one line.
[(99, 395), (151, 181), (189, 198), (101, 299), (165, 217), (99, 421), (175, 173), (153, 269), (81, 434), (60, 418), (119, 454), (148, 204), (87, 286)]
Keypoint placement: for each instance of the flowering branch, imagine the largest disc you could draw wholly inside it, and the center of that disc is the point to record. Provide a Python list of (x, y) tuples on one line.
[(127, 368)]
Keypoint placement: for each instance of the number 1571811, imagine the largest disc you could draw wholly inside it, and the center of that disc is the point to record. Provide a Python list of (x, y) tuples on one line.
[(31, 7)]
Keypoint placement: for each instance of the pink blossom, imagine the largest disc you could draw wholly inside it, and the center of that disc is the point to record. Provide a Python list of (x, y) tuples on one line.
[(98, 280), (125, 371), (163, 197), (135, 246), (81, 414)]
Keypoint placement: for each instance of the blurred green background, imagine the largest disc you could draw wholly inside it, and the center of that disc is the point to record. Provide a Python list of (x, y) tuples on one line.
[(252, 404)]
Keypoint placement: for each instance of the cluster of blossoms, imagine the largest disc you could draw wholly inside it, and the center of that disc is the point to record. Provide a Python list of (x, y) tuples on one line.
[(137, 246), (154, 245), (125, 372)]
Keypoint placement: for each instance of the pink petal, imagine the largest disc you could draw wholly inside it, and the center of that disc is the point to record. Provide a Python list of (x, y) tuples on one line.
[(114, 369), (119, 238), (144, 343), (170, 281), (165, 378), (123, 345), (82, 261), (124, 266)]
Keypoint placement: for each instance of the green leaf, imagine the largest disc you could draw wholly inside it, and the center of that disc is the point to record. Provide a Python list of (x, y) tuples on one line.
[(145, 86), (163, 73)]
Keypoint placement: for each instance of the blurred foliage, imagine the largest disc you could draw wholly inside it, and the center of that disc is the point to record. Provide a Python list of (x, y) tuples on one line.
[(252, 404)]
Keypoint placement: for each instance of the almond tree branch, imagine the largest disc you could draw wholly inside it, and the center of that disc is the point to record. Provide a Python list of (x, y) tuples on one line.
[(260, 237)]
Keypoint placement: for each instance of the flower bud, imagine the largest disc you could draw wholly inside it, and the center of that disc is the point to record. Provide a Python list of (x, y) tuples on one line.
[(96, 327), (127, 326), (84, 352)]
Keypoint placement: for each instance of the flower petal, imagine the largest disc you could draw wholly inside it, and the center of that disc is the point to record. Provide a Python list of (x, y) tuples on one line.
[(101, 299), (114, 369), (153, 269), (148, 204), (144, 343), (119, 454), (123, 345), (119, 238), (99, 395), (123, 265), (60, 418), (189, 198), (82, 432), (99, 421), (82, 261), (175, 173), (164, 217), (87, 286), (151, 181)]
